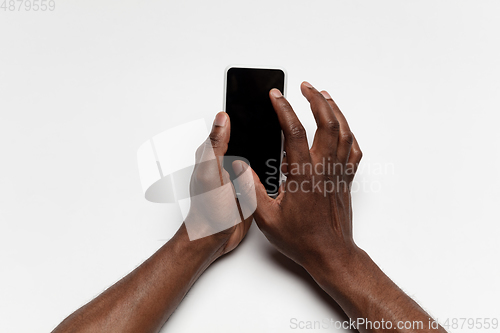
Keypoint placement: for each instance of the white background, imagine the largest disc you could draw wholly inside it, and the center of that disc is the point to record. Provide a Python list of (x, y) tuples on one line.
[(82, 87)]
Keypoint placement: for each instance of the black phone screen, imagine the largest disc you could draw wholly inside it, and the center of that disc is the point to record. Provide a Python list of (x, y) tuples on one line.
[(255, 130)]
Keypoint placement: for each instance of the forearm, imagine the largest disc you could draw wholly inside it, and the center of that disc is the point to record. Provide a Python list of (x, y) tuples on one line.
[(144, 299), (365, 292)]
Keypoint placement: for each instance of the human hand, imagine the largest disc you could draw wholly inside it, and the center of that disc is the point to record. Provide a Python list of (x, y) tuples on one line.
[(310, 221), (214, 210)]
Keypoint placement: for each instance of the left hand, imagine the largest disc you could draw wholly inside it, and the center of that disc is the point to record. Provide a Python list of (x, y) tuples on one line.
[(213, 202)]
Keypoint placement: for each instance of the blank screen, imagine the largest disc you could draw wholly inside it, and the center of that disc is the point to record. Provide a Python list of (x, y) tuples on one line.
[(255, 130)]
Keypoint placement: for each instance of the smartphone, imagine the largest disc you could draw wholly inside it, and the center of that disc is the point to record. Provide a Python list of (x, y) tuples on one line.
[(255, 130)]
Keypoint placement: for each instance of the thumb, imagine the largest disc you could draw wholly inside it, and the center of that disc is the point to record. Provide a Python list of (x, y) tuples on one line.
[(219, 136), (209, 154), (244, 186), (252, 195)]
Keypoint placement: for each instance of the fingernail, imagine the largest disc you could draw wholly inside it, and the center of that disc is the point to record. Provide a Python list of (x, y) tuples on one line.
[(238, 168), (307, 84), (220, 119), (276, 93), (326, 95)]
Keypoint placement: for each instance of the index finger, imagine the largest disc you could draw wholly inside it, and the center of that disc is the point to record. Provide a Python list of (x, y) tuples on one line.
[(327, 135), (296, 146)]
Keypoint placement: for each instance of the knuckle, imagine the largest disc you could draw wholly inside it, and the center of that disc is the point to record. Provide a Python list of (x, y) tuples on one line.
[(298, 132), (333, 126), (199, 150), (347, 138), (215, 139), (245, 187), (358, 154)]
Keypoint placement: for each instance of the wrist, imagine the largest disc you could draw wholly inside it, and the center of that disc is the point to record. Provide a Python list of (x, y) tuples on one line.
[(335, 271), (352, 279), (206, 249)]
